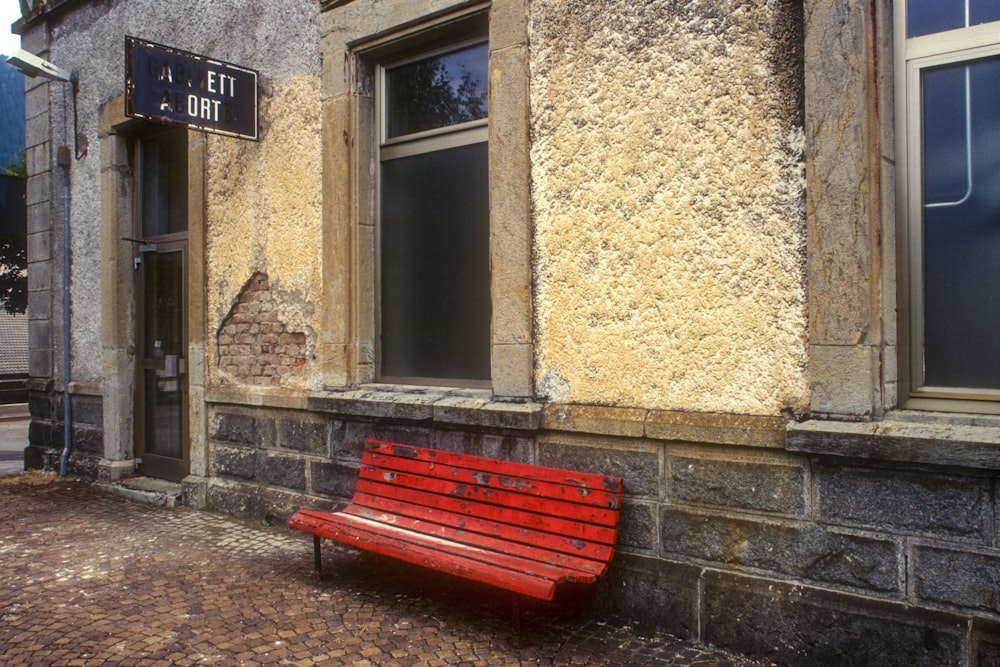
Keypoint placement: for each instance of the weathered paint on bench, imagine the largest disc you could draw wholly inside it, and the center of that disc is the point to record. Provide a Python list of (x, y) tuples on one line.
[(515, 526)]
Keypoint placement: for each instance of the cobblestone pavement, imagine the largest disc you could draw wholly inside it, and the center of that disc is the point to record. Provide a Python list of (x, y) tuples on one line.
[(91, 579)]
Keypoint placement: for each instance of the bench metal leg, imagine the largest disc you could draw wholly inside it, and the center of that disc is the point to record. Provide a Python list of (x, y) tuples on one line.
[(516, 609), (318, 556)]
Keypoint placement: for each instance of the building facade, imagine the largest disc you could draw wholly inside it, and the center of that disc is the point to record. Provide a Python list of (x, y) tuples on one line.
[(739, 253)]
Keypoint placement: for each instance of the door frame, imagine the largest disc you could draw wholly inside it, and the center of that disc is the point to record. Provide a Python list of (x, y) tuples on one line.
[(118, 134), (148, 242)]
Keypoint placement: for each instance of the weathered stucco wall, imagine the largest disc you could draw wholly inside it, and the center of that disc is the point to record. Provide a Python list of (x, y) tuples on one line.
[(264, 215), (668, 193), (263, 198)]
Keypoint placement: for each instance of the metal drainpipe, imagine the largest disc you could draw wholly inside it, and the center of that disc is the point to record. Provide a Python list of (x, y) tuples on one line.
[(64, 162)]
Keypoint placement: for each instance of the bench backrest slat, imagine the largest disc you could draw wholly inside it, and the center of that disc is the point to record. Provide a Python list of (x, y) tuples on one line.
[(572, 514), (453, 492), (582, 480), (485, 473), (508, 522)]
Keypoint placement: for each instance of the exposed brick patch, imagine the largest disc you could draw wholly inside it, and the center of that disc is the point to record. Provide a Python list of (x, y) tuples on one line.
[(255, 347)]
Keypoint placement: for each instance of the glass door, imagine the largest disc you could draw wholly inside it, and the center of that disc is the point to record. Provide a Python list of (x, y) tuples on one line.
[(161, 311)]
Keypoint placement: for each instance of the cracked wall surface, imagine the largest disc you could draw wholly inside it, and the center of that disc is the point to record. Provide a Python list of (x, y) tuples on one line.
[(254, 346), (668, 190), (264, 213), (264, 197)]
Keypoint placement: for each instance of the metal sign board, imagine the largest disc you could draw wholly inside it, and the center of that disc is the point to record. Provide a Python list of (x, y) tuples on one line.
[(176, 87)]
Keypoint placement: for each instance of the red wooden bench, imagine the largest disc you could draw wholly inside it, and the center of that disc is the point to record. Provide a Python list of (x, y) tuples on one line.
[(515, 526)]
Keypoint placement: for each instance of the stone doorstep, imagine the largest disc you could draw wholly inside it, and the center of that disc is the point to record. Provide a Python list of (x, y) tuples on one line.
[(146, 490)]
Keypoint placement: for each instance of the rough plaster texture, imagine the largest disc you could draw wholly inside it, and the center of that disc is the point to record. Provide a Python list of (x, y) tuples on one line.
[(264, 212), (264, 197), (668, 190)]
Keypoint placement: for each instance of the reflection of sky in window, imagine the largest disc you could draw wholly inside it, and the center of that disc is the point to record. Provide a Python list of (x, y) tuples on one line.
[(472, 60), (924, 17)]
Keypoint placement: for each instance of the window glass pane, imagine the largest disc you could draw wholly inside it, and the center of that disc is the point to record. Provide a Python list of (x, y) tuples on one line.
[(962, 226), (983, 11), (924, 17), (945, 133), (435, 308), (437, 92), (163, 193)]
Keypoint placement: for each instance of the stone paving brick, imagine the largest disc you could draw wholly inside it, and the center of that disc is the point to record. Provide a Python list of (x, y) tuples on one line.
[(90, 579)]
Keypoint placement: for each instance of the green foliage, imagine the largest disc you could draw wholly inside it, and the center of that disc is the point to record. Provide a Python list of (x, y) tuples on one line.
[(14, 256), (430, 96), (13, 276), (17, 169)]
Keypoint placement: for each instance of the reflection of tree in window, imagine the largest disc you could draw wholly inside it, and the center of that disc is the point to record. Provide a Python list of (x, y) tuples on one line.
[(436, 92)]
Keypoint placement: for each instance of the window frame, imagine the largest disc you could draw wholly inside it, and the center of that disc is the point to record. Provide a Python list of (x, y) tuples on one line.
[(408, 145), (912, 56)]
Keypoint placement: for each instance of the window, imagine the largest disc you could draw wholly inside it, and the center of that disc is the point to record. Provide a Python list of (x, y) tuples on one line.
[(433, 232), (948, 144)]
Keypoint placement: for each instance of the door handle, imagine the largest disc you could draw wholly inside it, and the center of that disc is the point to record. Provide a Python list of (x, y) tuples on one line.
[(171, 365)]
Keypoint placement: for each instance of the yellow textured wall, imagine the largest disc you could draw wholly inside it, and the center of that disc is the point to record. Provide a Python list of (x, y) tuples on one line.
[(668, 192), (264, 214)]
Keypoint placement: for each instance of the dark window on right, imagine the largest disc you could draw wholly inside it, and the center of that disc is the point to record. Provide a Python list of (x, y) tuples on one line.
[(949, 80), (433, 236)]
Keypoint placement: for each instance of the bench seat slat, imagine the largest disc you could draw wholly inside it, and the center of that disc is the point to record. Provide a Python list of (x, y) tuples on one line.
[(549, 524), (487, 496), (454, 558), (487, 476), (470, 523), (509, 468), (561, 558)]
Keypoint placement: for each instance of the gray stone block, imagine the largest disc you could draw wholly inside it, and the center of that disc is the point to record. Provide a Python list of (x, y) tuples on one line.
[(303, 435), (85, 410), (519, 416), (796, 625), (793, 549), (39, 406), (90, 440), (35, 457), (333, 479), (285, 471), (753, 486), (985, 642), (651, 595), (506, 448), (277, 505), (39, 362), (912, 502), (358, 432), (234, 462), (234, 498), (637, 526), (460, 442), (40, 433), (340, 447), (965, 579), (639, 470), (246, 430)]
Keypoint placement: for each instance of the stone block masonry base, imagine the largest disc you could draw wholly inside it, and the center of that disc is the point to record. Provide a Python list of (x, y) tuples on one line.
[(792, 557), (791, 624)]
